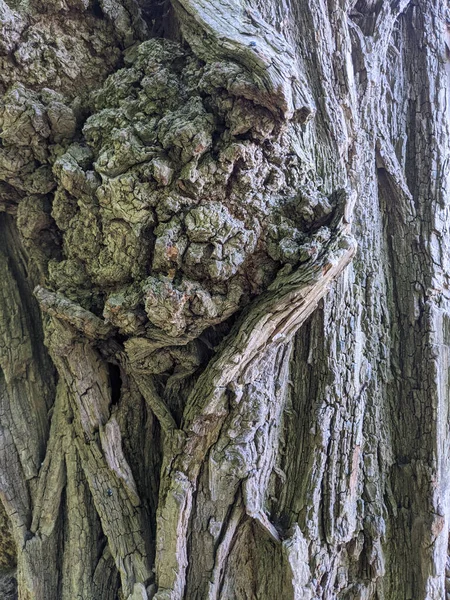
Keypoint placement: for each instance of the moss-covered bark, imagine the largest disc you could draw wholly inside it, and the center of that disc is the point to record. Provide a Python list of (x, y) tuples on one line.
[(206, 390)]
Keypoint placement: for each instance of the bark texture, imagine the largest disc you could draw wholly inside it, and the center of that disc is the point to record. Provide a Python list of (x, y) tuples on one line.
[(224, 318)]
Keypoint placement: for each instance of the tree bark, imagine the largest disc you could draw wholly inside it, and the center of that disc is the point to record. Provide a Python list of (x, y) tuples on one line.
[(224, 318)]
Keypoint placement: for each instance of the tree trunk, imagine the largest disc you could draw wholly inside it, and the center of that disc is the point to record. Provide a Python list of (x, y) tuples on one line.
[(225, 310)]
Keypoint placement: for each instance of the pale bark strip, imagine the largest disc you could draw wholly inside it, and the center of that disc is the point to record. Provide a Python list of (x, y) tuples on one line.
[(156, 403), (270, 377), (223, 550), (88, 380), (295, 549), (122, 521), (52, 476), (111, 442), (171, 544), (238, 469), (83, 530), (56, 305)]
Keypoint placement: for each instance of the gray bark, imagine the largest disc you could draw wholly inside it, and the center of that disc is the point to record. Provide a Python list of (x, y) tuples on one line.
[(224, 318)]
